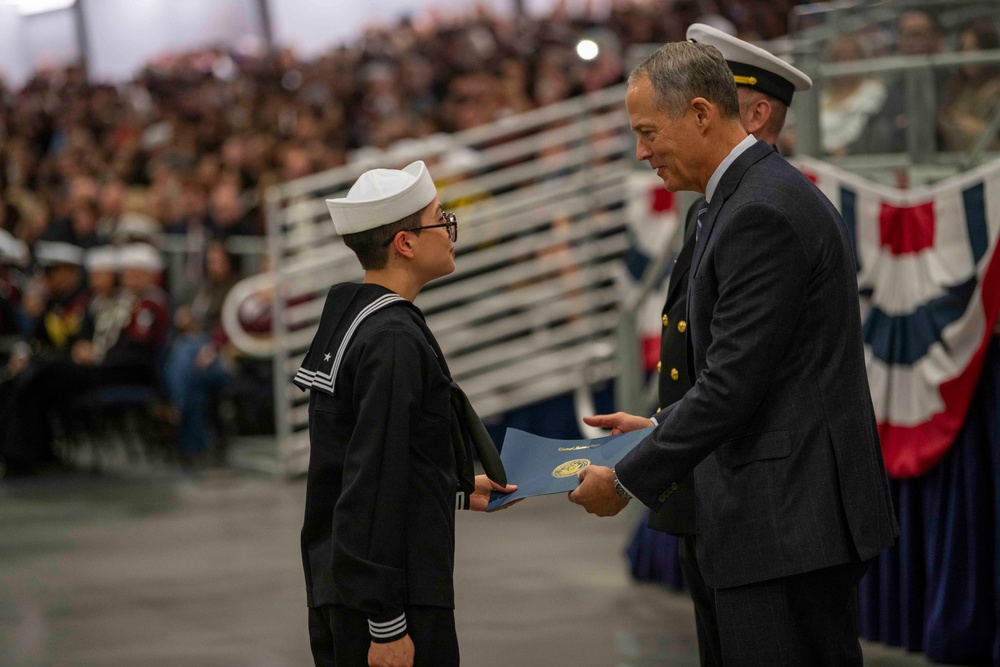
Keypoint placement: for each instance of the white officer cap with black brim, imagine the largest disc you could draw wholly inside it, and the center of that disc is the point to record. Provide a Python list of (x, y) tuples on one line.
[(752, 66), (381, 197)]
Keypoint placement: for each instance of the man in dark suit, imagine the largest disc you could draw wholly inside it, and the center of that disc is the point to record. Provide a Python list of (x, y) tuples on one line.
[(765, 85), (791, 499)]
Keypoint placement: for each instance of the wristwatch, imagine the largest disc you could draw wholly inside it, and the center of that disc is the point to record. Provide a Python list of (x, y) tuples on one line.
[(619, 489)]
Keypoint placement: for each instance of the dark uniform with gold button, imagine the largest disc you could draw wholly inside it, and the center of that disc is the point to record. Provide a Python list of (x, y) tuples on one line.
[(677, 516)]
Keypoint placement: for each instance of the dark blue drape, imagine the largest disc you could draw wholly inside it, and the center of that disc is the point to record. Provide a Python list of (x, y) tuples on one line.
[(938, 590)]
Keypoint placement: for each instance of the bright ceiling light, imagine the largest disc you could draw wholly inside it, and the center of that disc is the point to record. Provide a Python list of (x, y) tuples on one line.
[(29, 7), (587, 49)]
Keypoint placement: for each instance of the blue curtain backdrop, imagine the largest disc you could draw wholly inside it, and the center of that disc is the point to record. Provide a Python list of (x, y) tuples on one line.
[(938, 590)]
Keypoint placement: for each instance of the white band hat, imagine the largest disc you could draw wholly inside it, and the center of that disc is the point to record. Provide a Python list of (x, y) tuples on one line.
[(140, 256), (381, 197), (12, 250), (102, 258), (54, 253)]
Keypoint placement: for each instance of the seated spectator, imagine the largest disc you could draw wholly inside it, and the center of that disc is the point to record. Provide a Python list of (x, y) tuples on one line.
[(972, 93), (80, 228), (129, 325), (43, 380), (56, 300), (226, 213), (102, 266), (137, 228), (918, 34), (111, 202), (13, 258), (110, 308), (848, 102), (473, 99), (134, 356), (118, 346), (195, 367)]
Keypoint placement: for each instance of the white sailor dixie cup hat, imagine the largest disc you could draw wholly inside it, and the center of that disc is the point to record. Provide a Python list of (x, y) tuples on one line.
[(382, 196), (751, 65)]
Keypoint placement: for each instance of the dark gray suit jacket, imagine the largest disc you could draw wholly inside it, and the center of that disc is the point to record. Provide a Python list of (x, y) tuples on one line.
[(779, 422)]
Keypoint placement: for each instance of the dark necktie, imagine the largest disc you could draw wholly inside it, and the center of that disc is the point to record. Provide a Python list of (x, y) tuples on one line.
[(697, 229)]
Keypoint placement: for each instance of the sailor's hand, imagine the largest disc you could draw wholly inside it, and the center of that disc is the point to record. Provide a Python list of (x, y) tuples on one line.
[(394, 654), (481, 494)]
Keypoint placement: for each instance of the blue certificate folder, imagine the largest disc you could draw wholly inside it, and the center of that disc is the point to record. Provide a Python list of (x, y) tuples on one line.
[(541, 466)]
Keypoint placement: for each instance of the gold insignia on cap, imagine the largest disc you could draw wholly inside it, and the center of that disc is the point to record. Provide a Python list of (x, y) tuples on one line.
[(745, 80)]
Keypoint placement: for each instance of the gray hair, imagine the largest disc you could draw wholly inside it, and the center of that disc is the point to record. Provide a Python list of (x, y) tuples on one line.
[(682, 71)]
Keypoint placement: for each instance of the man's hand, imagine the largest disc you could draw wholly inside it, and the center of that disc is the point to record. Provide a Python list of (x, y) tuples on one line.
[(596, 492), (394, 654), (481, 494), (619, 422)]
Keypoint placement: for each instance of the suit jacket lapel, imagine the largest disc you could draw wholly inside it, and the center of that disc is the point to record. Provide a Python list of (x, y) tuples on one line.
[(727, 186)]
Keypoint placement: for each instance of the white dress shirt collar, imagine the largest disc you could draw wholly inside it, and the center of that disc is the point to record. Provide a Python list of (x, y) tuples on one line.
[(713, 182)]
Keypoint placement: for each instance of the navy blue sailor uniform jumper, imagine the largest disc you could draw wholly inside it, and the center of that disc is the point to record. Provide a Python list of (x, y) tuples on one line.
[(385, 471)]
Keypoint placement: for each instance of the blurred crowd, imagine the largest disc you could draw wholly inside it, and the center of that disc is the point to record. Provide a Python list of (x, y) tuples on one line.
[(97, 178), (867, 114)]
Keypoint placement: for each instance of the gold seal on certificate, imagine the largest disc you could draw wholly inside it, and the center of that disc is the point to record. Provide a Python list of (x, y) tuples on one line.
[(571, 468), (540, 465)]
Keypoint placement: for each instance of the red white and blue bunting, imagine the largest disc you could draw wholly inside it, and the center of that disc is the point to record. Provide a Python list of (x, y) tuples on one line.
[(929, 279)]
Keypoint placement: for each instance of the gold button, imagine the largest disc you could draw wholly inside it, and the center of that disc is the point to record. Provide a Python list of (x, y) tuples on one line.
[(666, 320), (659, 366), (674, 374), (681, 326), (658, 410)]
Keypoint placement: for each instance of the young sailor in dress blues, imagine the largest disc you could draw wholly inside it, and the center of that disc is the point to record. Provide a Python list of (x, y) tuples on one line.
[(391, 440)]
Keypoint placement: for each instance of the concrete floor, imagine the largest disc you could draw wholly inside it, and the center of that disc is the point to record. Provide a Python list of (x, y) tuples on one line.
[(166, 570)]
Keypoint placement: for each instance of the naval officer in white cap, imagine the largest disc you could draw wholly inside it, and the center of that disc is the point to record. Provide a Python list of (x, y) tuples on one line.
[(391, 438), (764, 82)]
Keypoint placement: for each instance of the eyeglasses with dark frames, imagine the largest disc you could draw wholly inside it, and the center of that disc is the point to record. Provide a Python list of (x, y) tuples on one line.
[(450, 223)]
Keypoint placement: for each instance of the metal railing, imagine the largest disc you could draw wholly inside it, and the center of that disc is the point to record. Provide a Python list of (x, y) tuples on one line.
[(539, 304), (922, 160), (532, 307)]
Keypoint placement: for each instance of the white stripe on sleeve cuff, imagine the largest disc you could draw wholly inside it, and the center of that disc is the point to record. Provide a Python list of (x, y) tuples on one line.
[(389, 630)]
